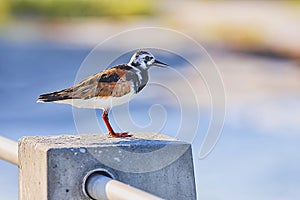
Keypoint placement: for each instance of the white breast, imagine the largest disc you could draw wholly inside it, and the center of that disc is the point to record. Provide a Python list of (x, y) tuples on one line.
[(99, 103)]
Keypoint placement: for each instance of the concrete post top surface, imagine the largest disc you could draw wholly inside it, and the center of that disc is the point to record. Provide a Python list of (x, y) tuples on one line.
[(92, 140)]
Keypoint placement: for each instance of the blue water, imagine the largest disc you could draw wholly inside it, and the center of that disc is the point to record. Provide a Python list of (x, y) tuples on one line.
[(247, 163)]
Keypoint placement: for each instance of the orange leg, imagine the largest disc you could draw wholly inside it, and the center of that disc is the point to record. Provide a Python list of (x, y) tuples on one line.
[(110, 129)]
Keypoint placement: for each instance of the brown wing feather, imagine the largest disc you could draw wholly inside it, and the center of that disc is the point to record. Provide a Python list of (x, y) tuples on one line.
[(110, 82)]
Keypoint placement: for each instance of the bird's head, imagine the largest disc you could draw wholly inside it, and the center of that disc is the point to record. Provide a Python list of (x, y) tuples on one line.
[(145, 60)]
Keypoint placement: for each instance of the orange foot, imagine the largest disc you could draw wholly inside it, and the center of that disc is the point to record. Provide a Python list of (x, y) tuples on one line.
[(119, 135)]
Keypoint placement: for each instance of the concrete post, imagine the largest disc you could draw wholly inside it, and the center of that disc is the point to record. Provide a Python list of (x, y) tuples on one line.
[(57, 167)]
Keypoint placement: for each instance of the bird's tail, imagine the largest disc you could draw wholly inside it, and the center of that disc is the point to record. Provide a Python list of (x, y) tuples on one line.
[(53, 96)]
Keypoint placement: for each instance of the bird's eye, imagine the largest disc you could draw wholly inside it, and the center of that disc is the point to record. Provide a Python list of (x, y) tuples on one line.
[(148, 58)]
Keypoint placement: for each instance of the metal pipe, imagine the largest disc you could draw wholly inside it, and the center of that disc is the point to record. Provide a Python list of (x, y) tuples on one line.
[(98, 186), (9, 150)]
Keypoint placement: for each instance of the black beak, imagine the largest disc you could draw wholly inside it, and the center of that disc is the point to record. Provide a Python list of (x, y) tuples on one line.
[(160, 64)]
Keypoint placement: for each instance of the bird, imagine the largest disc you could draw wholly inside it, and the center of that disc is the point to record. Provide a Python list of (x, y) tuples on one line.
[(108, 88)]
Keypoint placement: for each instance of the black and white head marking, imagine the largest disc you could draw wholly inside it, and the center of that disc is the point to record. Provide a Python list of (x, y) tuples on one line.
[(140, 62), (142, 59)]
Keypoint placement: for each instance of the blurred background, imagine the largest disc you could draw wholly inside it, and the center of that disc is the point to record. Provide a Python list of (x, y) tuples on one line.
[(255, 44)]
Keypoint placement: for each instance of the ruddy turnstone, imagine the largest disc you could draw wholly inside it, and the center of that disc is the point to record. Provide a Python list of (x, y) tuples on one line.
[(108, 88)]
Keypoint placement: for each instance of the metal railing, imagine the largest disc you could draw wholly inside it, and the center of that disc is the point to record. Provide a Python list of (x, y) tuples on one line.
[(97, 187), (9, 150), (103, 187)]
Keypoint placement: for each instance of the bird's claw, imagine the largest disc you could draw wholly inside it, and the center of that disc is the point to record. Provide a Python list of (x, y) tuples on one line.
[(120, 135)]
